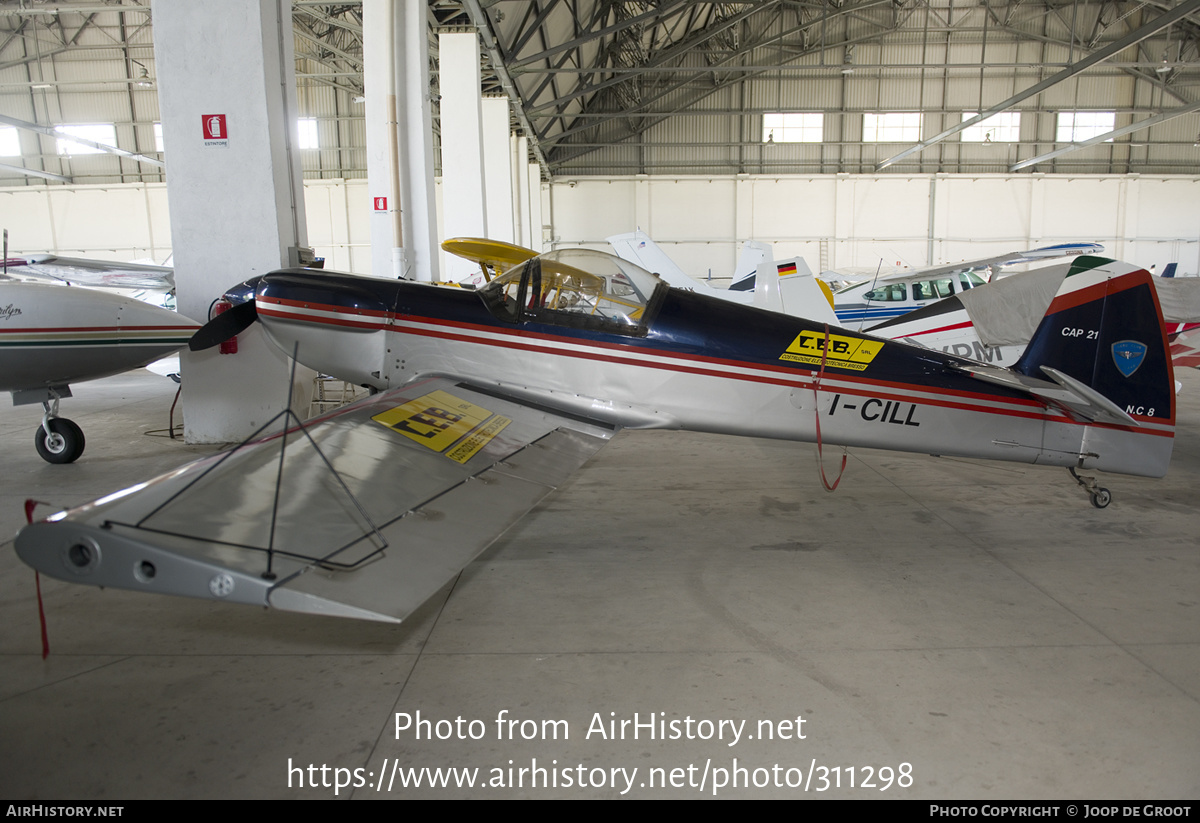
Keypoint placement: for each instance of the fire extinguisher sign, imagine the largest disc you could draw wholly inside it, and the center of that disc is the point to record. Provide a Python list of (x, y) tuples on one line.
[(216, 132), (380, 204)]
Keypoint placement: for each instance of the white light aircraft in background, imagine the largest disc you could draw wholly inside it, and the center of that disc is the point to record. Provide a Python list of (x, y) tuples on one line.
[(863, 305), (993, 323), (54, 335)]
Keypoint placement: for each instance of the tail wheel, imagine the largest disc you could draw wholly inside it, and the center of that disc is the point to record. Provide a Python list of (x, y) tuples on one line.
[(1101, 498), (64, 444)]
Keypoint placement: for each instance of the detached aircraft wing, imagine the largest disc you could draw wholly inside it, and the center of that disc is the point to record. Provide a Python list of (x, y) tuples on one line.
[(367, 513)]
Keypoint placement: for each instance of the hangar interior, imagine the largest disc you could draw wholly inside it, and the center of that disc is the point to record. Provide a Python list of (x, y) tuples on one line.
[(978, 622)]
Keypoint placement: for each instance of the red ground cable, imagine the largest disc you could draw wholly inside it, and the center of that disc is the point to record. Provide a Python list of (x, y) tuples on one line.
[(817, 411)]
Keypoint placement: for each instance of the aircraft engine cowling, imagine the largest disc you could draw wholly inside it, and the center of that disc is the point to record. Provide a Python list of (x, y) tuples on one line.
[(337, 328)]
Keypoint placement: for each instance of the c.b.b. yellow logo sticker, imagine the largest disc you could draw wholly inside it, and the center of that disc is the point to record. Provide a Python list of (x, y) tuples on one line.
[(439, 419), (843, 352)]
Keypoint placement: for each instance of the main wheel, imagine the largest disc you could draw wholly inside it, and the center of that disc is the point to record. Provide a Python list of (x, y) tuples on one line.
[(65, 443), (1101, 498)]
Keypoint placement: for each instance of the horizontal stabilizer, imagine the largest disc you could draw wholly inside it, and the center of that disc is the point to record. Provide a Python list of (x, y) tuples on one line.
[(1062, 390)]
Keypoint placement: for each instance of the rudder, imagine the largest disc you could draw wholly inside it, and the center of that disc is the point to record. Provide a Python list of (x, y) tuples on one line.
[(1105, 329)]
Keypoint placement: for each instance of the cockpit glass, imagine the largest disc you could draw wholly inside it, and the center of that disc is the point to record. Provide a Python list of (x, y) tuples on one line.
[(575, 287)]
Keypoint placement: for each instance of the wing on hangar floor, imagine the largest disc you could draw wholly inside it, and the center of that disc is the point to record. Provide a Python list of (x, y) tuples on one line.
[(405, 489)]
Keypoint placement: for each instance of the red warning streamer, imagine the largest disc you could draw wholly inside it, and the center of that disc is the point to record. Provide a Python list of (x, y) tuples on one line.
[(30, 505)]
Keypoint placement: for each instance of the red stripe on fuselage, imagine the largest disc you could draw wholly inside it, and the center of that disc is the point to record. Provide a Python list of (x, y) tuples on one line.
[(48, 329), (1098, 291), (787, 376), (954, 327)]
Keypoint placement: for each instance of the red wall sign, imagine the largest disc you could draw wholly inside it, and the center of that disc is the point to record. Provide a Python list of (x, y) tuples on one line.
[(214, 127), (380, 204)]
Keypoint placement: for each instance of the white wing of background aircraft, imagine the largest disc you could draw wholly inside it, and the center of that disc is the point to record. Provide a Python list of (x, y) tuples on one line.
[(83, 271), (872, 301)]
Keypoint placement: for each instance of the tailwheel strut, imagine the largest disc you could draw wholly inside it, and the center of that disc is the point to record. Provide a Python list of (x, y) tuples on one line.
[(1101, 496)]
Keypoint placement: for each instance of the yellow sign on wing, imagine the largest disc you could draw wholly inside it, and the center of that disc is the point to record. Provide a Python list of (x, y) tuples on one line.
[(438, 420), (842, 352)]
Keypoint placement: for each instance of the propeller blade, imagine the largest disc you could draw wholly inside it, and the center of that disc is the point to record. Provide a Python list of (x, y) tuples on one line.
[(224, 326)]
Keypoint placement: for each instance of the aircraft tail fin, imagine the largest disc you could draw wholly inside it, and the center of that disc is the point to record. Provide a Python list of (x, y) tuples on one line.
[(1100, 358), (1169, 271), (637, 247), (788, 287), (753, 255), (1103, 340)]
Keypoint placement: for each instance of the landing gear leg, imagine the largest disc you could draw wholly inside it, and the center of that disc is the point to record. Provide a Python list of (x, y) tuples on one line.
[(1101, 497), (58, 440)]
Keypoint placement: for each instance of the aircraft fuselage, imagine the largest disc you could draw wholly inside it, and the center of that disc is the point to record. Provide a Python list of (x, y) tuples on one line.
[(51, 336), (701, 365)]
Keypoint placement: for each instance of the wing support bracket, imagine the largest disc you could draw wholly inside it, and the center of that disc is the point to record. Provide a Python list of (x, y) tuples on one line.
[(287, 415)]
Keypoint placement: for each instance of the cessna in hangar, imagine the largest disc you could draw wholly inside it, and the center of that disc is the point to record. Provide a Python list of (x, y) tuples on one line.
[(865, 304), (994, 322), (487, 400)]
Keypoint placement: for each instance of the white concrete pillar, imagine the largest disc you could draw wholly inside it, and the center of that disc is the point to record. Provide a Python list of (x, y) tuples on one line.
[(643, 213), (497, 167), (399, 132), (536, 238), (227, 95), (1037, 209), (523, 197), (464, 198), (743, 198)]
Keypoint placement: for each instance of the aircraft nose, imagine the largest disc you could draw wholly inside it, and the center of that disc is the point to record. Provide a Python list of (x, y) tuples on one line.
[(136, 314)]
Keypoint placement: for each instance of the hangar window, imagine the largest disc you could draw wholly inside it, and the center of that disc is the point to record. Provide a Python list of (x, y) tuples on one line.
[(793, 127), (1076, 126), (308, 134), (892, 127), (10, 142), (1004, 127), (104, 133), (158, 140)]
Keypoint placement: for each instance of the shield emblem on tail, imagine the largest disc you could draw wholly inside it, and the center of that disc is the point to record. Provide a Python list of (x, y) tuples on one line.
[(1128, 356)]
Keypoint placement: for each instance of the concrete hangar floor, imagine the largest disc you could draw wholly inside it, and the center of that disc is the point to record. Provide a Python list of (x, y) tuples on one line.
[(942, 628)]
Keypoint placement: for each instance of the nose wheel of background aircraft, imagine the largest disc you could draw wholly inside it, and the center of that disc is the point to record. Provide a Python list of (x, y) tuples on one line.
[(1101, 496), (58, 440)]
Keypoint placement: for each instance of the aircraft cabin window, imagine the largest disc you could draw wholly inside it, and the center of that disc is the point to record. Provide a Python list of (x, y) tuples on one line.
[(933, 289), (894, 293), (578, 288), (969, 280)]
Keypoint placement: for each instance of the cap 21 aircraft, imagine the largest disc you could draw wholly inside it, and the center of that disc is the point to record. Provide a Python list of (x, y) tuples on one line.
[(489, 399)]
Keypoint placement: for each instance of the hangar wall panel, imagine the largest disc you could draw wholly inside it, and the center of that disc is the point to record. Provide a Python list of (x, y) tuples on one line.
[(831, 220), (839, 221), (132, 221)]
